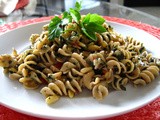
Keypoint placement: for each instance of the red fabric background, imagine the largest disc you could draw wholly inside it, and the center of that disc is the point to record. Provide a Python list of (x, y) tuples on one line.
[(149, 112)]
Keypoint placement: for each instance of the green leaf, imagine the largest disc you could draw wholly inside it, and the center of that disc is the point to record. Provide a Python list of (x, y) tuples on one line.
[(86, 19), (65, 14), (55, 33), (92, 35), (78, 5), (54, 28), (95, 28), (58, 32), (66, 18), (65, 21), (96, 19), (89, 34), (91, 24), (75, 15), (54, 22)]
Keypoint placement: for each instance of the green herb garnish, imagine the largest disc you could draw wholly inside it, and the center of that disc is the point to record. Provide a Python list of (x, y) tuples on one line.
[(90, 24), (54, 28)]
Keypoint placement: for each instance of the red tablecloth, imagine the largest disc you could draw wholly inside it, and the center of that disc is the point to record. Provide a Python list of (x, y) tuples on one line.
[(148, 112)]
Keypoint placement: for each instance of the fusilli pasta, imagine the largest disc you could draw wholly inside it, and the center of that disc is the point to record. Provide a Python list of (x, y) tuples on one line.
[(73, 62)]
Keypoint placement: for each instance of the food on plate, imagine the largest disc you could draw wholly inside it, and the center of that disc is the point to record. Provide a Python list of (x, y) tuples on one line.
[(76, 52)]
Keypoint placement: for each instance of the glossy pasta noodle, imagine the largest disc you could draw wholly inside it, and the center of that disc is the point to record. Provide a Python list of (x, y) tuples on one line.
[(72, 63)]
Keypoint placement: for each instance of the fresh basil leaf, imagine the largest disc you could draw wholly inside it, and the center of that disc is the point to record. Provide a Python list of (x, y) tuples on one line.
[(78, 5), (95, 27), (96, 19), (89, 34), (54, 22), (65, 14), (86, 19), (65, 21), (91, 23), (54, 28), (55, 33), (92, 35), (66, 18), (58, 32), (75, 15), (51, 35)]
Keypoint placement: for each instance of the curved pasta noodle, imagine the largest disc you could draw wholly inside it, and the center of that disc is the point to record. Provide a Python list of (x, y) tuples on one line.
[(119, 83), (129, 65), (99, 92), (59, 88), (87, 78), (147, 75), (112, 64), (134, 74)]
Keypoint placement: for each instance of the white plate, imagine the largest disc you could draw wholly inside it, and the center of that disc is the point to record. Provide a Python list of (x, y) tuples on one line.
[(31, 102)]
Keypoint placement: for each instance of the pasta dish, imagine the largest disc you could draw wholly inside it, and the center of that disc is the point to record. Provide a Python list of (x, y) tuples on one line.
[(76, 59)]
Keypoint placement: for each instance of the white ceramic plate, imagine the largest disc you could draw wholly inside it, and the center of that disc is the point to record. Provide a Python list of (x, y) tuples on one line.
[(31, 102)]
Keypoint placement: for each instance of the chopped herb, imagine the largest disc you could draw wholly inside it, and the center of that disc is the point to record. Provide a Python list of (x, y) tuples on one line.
[(141, 49), (119, 55), (123, 87)]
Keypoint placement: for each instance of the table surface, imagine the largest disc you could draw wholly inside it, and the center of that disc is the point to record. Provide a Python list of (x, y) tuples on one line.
[(117, 13), (115, 10)]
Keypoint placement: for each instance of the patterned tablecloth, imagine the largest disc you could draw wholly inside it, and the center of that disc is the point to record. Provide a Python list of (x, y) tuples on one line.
[(149, 112)]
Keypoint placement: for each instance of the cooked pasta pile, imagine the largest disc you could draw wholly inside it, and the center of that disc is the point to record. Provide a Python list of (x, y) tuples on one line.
[(72, 63)]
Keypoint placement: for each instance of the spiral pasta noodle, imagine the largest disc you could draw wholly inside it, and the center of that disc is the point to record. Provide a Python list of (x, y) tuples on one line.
[(72, 62)]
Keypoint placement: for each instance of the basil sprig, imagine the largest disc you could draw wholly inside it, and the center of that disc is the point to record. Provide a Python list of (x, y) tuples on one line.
[(90, 24)]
